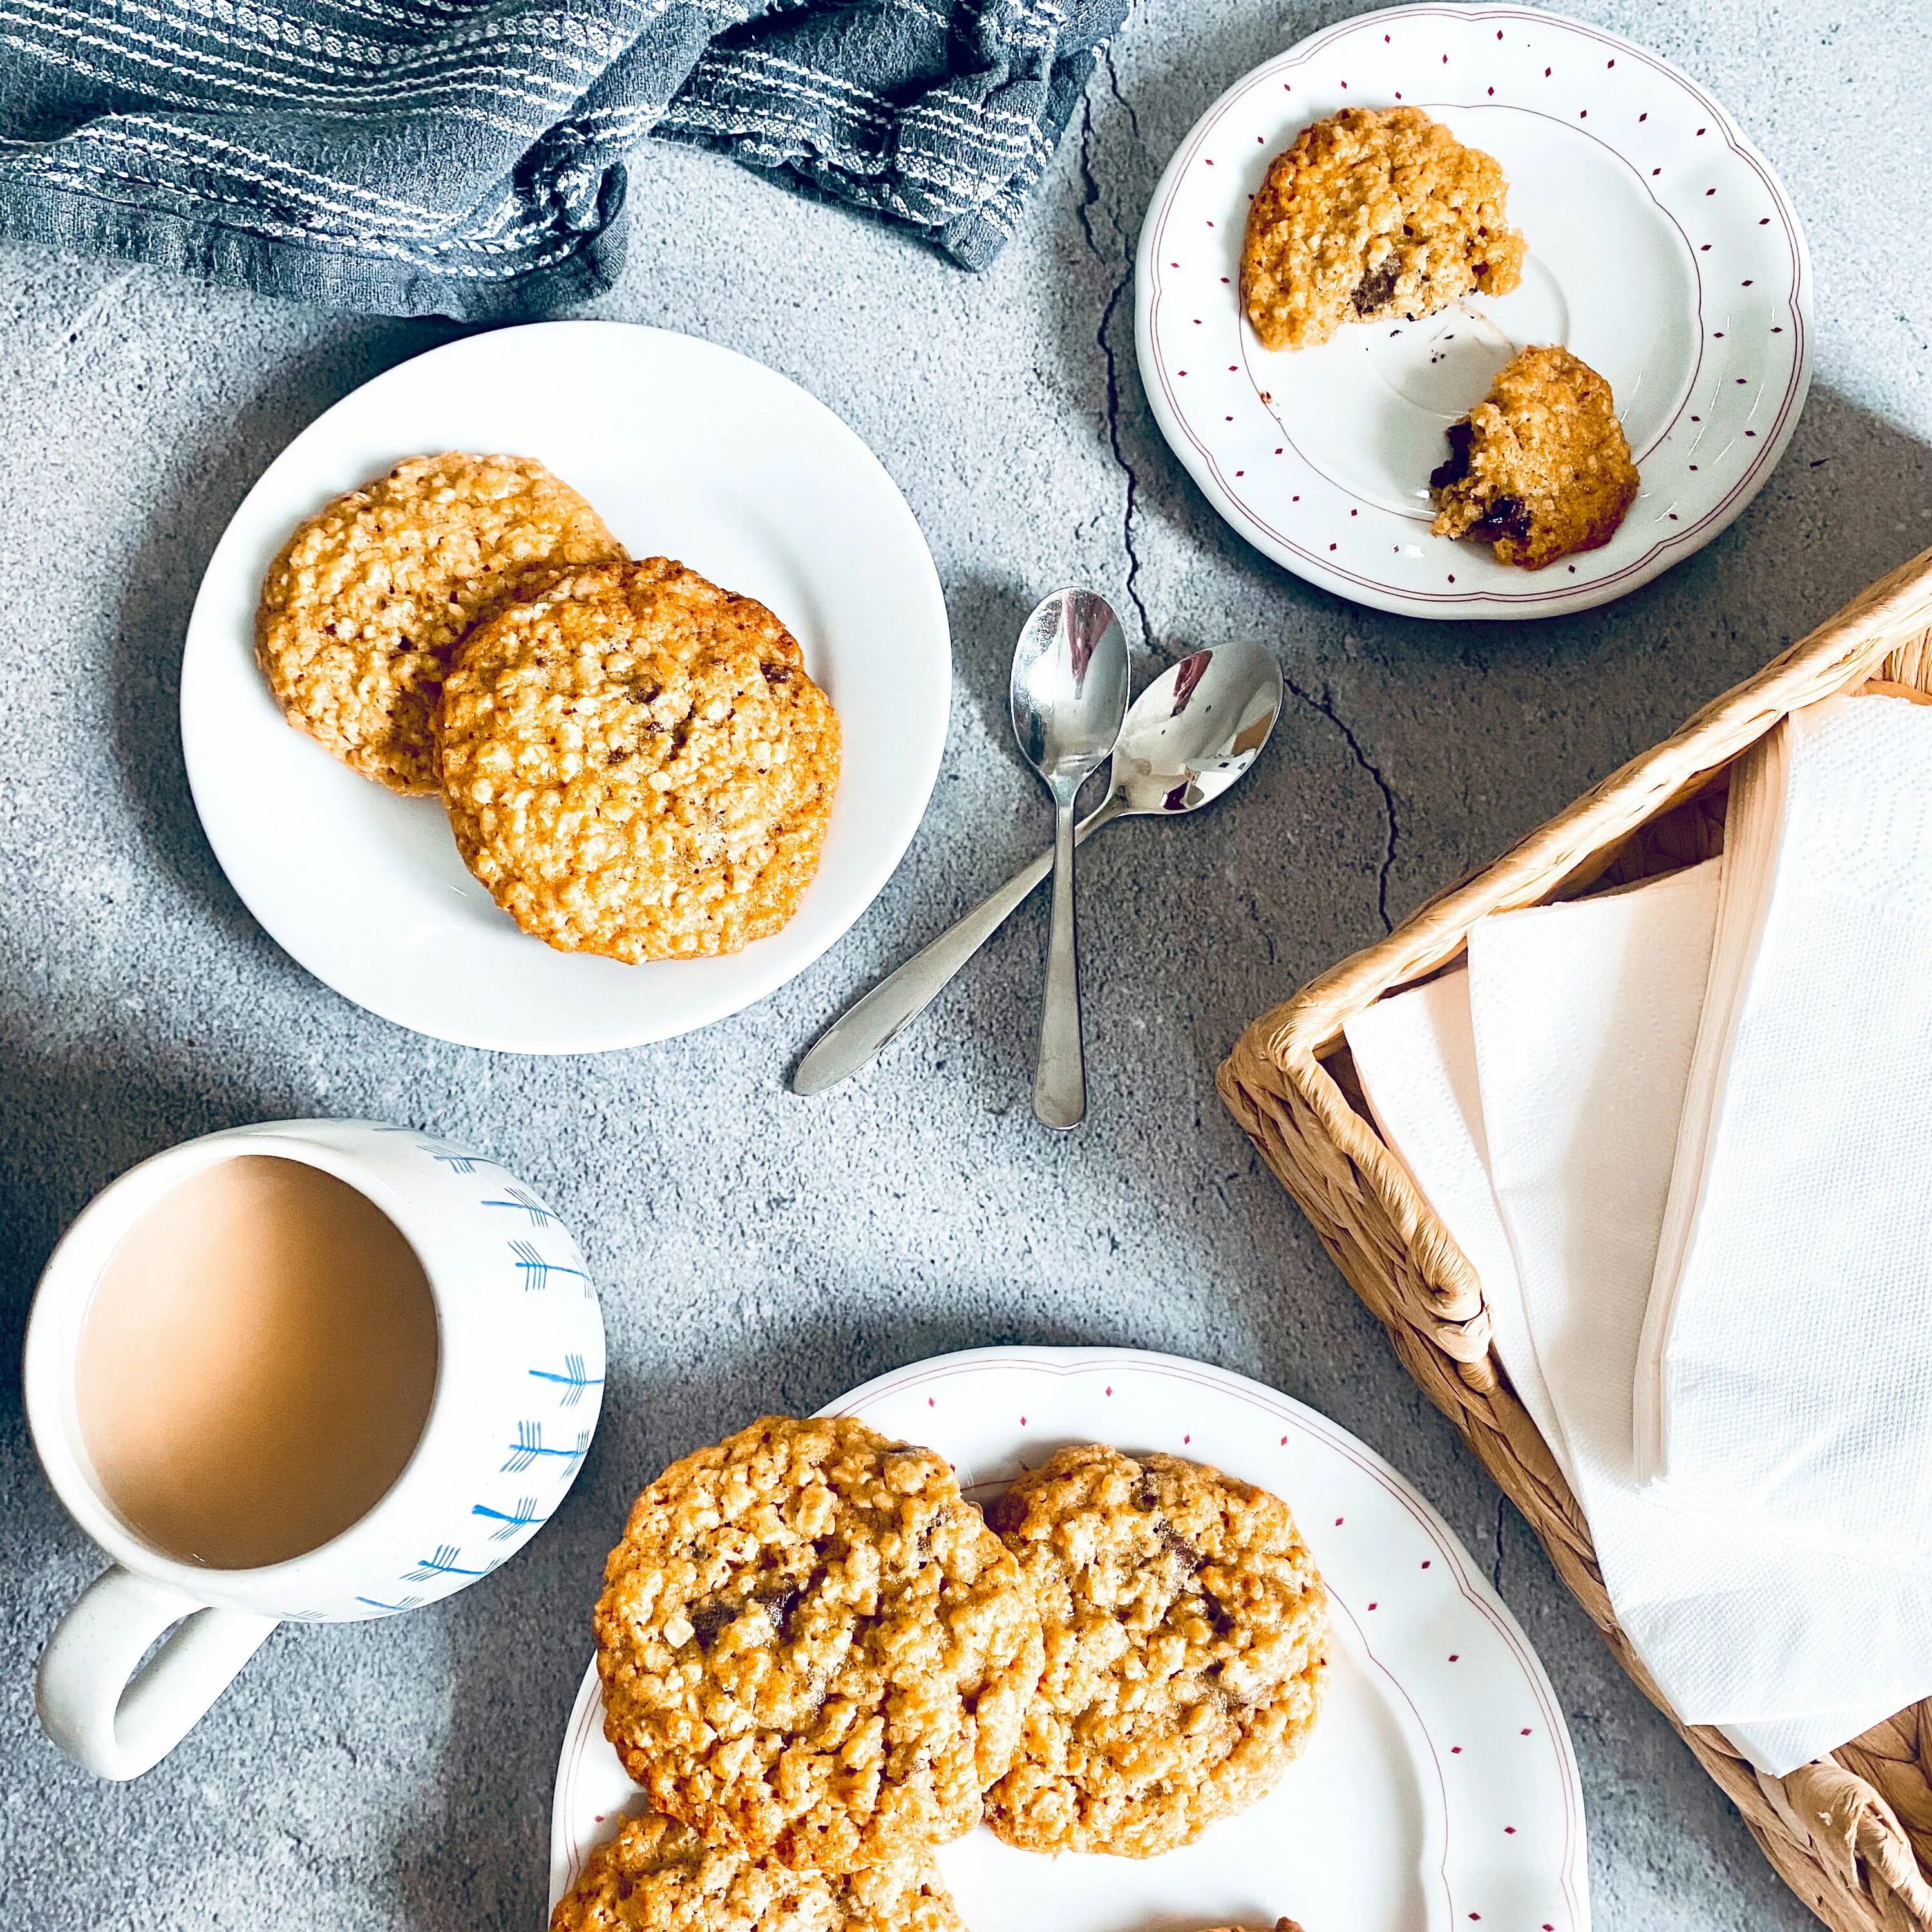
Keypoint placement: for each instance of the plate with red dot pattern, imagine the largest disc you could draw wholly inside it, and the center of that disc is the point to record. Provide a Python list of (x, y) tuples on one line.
[(1663, 250), (1439, 1789)]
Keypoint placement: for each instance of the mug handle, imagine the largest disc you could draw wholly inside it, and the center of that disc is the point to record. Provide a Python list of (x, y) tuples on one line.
[(106, 1709)]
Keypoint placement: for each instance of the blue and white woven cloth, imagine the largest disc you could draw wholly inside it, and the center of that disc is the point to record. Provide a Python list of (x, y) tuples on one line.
[(466, 158)]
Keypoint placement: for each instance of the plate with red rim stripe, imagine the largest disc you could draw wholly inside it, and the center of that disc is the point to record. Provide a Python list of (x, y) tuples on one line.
[(1663, 250), (1439, 1789)]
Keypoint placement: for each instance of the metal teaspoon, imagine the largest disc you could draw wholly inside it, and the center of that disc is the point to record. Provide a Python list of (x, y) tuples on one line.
[(1069, 698), (1191, 734)]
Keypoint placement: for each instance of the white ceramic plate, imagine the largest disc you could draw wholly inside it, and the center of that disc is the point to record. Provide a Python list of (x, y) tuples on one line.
[(1439, 1790), (688, 451), (1662, 250)]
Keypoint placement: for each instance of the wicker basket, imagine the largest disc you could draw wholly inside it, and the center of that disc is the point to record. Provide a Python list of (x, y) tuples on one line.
[(1848, 1834)]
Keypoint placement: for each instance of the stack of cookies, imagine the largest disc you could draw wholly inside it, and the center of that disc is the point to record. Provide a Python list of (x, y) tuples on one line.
[(634, 760), (821, 1661)]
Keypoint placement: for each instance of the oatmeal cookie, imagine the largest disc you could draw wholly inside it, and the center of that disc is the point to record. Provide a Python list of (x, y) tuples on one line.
[(1280, 1925), (364, 608), (1541, 468), (1375, 214), (1186, 1630), (812, 1648), (636, 764), (657, 1876)]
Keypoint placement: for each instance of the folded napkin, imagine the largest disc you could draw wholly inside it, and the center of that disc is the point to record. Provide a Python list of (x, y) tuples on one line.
[(1415, 1057), (445, 157), (1557, 1063), (1787, 1364)]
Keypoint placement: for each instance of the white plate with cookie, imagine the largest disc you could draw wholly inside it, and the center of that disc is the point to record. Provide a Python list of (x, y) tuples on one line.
[(685, 450), (1661, 249), (1439, 1788)]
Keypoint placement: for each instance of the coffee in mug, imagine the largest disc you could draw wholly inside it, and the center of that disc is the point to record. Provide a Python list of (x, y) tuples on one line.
[(256, 1364)]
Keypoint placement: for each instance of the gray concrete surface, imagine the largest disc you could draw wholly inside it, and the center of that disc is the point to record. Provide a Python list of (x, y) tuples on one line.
[(756, 1250)]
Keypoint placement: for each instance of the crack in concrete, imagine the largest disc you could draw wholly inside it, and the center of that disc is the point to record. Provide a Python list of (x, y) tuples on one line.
[(1326, 707), (1103, 338), (1125, 105), (1496, 1568)]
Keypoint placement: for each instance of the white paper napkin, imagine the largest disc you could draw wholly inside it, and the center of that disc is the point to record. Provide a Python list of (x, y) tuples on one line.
[(1584, 1016), (1415, 1055), (1787, 1364), (1594, 1005)]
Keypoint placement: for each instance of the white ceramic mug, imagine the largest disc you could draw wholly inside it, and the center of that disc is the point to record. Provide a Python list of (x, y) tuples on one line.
[(519, 1384)]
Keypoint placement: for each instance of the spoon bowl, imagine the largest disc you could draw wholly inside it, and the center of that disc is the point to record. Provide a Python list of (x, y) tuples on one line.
[(1069, 690), (1196, 730)]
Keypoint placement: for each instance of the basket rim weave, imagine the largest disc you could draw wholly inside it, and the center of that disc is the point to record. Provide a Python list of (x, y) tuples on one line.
[(1841, 1831)]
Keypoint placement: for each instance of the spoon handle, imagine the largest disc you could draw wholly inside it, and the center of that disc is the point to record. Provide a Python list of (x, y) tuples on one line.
[(857, 1037), (1060, 1075)]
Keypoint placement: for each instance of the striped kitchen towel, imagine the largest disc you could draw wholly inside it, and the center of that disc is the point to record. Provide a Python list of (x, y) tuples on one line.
[(466, 158)]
